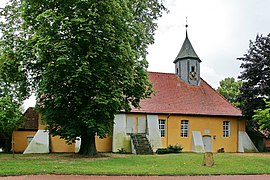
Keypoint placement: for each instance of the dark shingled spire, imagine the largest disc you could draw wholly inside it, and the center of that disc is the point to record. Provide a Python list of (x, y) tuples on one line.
[(187, 50)]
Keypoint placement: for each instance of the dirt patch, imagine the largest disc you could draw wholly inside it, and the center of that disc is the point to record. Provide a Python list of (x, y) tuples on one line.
[(69, 156)]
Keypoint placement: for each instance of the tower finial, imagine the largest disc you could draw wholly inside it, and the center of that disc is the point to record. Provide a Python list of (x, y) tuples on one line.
[(186, 27)]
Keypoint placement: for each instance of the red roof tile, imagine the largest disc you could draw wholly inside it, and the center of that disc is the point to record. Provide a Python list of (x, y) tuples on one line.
[(174, 96)]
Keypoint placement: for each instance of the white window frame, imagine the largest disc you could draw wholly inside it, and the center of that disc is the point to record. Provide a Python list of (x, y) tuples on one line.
[(226, 128), (184, 128), (162, 127)]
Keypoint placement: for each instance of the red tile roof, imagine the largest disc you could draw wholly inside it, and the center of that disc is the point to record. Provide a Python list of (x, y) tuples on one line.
[(174, 96)]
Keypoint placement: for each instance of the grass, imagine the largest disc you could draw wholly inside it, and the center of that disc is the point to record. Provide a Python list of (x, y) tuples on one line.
[(128, 164)]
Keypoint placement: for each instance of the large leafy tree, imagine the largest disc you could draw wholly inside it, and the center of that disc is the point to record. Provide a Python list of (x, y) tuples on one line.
[(230, 89), (86, 60), (255, 76)]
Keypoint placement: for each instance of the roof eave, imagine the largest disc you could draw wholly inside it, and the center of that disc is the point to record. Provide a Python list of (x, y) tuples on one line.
[(186, 114), (187, 57)]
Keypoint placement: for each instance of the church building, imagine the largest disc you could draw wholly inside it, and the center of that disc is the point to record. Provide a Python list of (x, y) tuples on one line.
[(184, 111)]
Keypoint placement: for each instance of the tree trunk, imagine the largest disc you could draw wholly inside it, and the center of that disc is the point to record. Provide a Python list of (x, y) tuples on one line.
[(7, 146), (88, 145)]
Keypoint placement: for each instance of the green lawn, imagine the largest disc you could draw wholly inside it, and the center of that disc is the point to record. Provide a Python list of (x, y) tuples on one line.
[(117, 164)]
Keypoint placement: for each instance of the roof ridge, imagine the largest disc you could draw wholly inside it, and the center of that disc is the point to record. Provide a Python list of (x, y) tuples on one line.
[(160, 72), (221, 95)]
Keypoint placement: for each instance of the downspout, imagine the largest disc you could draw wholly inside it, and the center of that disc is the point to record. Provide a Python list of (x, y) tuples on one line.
[(237, 135), (50, 142), (167, 128)]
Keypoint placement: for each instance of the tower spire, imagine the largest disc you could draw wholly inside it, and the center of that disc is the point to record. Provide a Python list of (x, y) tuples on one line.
[(187, 63)]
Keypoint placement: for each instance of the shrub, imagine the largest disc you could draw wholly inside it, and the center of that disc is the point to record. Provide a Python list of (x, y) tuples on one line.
[(170, 149), (122, 151), (175, 148), (221, 150), (162, 151)]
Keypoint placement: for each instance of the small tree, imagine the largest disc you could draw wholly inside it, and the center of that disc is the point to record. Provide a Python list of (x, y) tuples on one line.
[(262, 116), (230, 89)]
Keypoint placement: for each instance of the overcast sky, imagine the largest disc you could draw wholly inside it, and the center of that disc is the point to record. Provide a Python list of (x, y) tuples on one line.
[(219, 30)]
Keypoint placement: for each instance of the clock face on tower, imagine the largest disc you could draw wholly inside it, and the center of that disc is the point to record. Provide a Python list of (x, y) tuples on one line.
[(192, 75)]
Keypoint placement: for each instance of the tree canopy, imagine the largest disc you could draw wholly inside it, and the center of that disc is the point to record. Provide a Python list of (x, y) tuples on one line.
[(10, 119), (230, 89), (10, 112), (12, 93), (255, 76), (262, 116), (85, 59)]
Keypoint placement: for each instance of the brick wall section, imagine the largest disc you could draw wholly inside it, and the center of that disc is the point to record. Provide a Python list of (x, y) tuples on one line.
[(31, 119)]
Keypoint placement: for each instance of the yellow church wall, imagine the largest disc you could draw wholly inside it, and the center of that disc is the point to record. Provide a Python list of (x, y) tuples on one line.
[(104, 145), (208, 126), (57, 144), (242, 125), (60, 145), (21, 138)]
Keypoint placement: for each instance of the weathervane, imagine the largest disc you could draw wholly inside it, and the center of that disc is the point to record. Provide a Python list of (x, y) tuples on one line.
[(186, 27)]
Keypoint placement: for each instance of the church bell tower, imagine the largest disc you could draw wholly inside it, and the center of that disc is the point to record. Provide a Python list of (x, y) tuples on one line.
[(187, 63)]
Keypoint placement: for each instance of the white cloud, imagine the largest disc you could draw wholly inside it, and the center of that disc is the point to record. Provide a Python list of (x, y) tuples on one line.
[(218, 30), (30, 102), (212, 76)]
